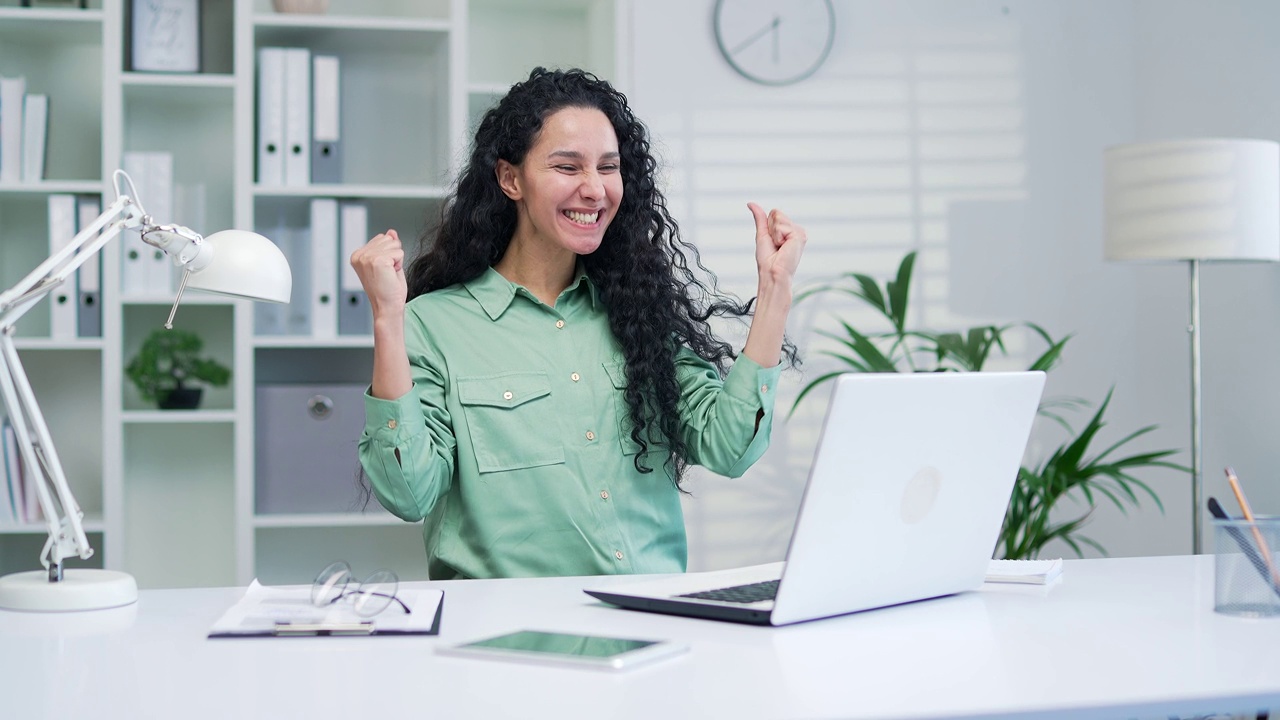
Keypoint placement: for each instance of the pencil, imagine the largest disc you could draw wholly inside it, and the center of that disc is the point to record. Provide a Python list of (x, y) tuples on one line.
[(1248, 515)]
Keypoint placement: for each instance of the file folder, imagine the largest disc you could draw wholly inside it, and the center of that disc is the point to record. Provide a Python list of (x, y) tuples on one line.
[(35, 125), (271, 117), (134, 252), (12, 92), (89, 275), (354, 314), (297, 117), (324, 268), (326, 129), (62, 229), (158, 201)]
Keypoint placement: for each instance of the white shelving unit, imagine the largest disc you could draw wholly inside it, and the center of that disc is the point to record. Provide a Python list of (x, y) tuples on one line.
[(169, 496)]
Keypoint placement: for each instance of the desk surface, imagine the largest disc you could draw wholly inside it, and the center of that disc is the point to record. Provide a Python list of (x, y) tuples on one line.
[(1130, 637)]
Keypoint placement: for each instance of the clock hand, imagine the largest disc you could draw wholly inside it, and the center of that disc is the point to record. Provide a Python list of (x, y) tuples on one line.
[(772, 27)]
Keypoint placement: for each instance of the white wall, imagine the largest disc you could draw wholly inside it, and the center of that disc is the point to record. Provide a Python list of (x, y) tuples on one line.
[(973, 131)]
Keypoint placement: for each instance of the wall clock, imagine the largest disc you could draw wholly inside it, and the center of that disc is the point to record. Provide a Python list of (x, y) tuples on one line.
[(775, 42)]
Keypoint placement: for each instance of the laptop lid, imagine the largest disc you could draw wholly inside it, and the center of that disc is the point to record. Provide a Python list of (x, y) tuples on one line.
[(907, 491), (904, 501)]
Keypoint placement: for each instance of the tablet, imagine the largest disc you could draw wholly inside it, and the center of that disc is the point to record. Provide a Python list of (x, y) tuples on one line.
[(591, 651)]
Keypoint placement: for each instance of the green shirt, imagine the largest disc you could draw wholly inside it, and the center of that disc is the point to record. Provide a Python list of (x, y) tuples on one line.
[(514, 442)]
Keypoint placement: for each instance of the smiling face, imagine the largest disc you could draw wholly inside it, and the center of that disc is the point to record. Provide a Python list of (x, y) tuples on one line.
[(568, 187)]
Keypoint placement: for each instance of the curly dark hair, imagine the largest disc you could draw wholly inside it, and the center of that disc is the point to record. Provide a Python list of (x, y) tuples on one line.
[(643, 270)]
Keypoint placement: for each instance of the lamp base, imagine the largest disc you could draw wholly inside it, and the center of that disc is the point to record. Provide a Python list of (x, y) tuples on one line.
[(79, 589)]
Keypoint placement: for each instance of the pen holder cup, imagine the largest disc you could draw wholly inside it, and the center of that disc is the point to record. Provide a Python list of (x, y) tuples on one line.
[(1246, 568)]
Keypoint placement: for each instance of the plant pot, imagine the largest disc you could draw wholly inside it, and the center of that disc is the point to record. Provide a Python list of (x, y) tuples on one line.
[(181, 399), (313, 7)]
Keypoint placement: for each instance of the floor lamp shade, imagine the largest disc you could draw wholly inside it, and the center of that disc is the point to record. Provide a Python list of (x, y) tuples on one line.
[(1193, 200)]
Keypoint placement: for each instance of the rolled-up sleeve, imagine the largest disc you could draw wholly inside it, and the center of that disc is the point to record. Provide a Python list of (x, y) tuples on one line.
[(407, 448), (719, 417)]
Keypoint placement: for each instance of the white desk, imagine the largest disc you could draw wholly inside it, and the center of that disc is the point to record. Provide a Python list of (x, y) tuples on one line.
[(1114, 638)]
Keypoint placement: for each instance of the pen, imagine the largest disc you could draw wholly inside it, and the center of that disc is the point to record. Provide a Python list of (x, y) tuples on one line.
[(287, 629), (1216, 510), (1248, 515)]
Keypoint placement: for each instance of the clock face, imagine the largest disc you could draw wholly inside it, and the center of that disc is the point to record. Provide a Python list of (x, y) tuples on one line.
[(775, 42)]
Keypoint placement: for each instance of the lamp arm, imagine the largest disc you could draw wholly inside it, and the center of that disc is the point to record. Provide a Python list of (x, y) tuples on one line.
[(63, 519)]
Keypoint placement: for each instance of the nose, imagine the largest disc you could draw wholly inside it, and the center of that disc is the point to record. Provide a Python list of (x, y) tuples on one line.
[(592, 187)]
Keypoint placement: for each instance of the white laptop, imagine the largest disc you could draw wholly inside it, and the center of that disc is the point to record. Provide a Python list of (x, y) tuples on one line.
[(904, 502)]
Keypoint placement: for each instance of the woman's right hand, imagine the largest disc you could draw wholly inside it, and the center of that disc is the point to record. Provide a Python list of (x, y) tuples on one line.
[(380, 266)]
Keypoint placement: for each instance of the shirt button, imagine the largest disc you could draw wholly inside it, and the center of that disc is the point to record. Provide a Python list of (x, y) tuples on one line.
[(559, 323), (604, 494), (618, 554), (764, 388), (591, 435), (576, 377), (391, 424), (507, 395)]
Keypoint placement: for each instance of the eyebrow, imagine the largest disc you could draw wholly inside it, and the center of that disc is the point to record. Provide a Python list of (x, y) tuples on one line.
[(575, 155)]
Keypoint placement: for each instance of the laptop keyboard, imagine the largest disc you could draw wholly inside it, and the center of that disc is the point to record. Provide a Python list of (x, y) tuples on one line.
[(754, 592)]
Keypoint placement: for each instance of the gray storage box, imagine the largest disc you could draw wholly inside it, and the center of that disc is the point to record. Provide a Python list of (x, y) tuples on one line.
[(306, 453)]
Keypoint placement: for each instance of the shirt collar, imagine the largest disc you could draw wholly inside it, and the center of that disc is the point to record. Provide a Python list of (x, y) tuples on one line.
[(495, 293)]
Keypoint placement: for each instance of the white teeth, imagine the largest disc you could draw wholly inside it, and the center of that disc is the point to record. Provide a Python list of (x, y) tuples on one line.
[(582, 218)]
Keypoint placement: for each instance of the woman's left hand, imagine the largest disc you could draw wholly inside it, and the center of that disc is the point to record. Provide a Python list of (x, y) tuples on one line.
[(779, 244)]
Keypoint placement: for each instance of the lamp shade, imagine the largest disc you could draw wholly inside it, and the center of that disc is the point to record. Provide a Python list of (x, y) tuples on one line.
[(244, 265), (1199, 199)]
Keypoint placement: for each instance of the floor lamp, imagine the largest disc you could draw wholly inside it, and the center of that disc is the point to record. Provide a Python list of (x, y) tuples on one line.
[(1193, 200)]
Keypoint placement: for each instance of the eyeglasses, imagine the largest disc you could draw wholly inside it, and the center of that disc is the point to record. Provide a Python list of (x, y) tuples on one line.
[(368, 598)]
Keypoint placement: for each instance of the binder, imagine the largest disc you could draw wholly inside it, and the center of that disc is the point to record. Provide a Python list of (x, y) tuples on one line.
[(89, 275), (35, 128), (326, 123), (62, 303), (158, 201), (271, 116), (12, 92), (297, 117), (354, 314), (324, 268), (134, 252), (12, 511)]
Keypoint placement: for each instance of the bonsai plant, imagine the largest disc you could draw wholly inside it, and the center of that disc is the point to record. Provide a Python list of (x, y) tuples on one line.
[(1073, 470), (167, 365)]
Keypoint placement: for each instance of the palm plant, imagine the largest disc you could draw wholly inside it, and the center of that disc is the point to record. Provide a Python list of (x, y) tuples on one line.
[(1071, 471)]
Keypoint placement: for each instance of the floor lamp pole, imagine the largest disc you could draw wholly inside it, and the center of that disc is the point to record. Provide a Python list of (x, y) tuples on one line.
[(1197, 434)]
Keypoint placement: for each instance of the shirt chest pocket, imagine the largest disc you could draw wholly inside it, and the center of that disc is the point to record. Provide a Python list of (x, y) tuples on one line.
[(508, 416), (618, 377)]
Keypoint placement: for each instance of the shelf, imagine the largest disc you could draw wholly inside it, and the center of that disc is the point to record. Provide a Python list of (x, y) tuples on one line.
[(48, 187), (173, 417), (407, 192), (377, 518), (39, 343), (91, 523), (347, 22), (175, 80), (301, 341), (190, 297), (50, 25)]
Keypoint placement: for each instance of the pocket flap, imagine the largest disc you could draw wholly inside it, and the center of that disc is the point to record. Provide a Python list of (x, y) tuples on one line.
[(617, 372), (507, 390)]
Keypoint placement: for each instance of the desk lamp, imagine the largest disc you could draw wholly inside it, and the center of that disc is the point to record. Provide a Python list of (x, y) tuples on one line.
[(232, 262), (1193, 201)]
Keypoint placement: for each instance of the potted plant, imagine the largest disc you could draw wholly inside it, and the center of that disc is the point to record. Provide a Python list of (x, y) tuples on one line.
[(1072, 470), (168, 364)]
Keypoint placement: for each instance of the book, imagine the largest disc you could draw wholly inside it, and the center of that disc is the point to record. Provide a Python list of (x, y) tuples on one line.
[(1028, 572)]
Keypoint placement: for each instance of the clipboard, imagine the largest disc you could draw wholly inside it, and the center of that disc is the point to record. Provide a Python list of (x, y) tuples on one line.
[(287, 611)]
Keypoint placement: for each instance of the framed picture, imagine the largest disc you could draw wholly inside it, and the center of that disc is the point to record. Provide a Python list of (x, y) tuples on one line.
[(76, 4), (165, 36)]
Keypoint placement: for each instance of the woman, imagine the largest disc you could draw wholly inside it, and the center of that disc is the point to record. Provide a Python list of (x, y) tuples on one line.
[(539, 397)]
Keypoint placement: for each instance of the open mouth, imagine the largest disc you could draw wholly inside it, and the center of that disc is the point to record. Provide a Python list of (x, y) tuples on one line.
[(583, 218)]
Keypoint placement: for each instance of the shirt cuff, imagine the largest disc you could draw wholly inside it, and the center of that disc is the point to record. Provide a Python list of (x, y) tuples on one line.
[(391, 422), (752, 384)]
